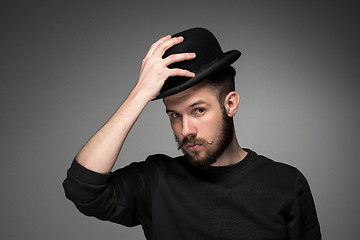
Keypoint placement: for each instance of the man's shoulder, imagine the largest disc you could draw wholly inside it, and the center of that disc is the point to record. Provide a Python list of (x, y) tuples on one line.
[(159, 157), (278, 176), (275, 167), (162, 159), (157, 161)]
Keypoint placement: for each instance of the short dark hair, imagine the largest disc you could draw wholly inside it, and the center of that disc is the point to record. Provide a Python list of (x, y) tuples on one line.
[(222, 82)]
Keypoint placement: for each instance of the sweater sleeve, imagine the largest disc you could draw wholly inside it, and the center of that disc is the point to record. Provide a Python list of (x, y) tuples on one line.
[(303, 221), (119, 197)]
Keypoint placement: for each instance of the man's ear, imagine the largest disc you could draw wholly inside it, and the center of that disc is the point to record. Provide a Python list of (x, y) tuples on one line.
[(231, 103)]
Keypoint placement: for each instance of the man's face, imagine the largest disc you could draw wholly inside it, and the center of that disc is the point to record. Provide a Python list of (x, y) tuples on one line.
[(201, 127)]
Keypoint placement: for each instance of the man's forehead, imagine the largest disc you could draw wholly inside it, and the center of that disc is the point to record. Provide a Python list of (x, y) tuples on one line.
[(178, 98), (200, 94), (193, 92)]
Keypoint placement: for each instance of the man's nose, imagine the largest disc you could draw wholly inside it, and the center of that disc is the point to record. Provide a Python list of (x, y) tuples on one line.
[(188, 127)]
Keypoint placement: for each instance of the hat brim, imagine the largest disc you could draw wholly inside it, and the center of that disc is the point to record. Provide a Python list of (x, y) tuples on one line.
[(226, 60)]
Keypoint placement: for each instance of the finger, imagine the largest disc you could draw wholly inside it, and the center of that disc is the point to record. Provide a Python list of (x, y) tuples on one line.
[(156, 44), (162, 47), (180, 72), (178, 58)]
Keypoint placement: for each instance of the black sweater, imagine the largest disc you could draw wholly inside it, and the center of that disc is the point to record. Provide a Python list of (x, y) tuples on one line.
[(256, 198)]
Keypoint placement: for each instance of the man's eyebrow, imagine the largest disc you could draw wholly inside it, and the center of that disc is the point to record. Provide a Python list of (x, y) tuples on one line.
[(197, 103), (190, 106)]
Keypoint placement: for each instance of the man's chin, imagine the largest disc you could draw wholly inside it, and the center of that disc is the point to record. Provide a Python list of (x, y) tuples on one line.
[(199, 161)]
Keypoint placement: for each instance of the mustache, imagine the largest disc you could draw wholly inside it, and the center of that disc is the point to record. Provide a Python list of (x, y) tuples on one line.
[(191, 140)]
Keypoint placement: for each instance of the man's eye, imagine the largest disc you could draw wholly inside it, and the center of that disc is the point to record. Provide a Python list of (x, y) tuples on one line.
[(199, 111), (175, 115)]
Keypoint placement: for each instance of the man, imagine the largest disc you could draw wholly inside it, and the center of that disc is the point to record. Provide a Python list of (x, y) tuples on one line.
[(216, 190)]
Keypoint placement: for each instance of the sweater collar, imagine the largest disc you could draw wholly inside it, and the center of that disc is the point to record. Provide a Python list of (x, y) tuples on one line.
[(224, 170)]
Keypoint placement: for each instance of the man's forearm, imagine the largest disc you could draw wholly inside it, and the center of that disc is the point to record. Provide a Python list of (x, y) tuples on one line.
[(101, 151)]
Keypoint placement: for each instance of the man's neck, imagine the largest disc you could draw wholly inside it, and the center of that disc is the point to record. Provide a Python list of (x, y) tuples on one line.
[(232, 155)]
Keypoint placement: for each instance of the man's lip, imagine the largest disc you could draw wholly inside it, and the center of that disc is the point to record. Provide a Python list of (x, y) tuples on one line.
[(193, 146)]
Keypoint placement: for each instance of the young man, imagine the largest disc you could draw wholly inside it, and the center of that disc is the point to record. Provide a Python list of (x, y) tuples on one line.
[(216, 190)]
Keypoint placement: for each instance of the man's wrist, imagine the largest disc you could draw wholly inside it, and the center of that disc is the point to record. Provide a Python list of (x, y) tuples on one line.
[(141, 96)]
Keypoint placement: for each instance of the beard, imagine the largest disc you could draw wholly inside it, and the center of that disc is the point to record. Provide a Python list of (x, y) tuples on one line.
[(213, 150)]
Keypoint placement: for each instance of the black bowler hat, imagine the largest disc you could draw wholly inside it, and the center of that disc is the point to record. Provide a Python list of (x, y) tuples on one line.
[(209, 59)]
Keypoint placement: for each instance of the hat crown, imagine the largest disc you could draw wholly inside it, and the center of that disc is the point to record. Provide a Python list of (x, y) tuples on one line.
[(199, 41), (209, 59)]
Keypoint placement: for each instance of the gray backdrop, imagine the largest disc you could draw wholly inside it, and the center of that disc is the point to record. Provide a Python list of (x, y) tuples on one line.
[(67, 65)]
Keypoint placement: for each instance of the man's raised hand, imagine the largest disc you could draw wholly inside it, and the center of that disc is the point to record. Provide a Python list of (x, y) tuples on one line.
[(154, 68)]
